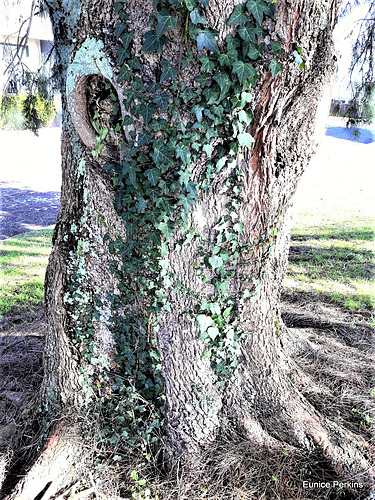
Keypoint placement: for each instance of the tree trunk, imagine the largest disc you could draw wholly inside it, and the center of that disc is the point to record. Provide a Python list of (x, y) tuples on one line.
[(117, 299)]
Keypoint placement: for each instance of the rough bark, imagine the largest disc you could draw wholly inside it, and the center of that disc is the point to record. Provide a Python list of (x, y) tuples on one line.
[(261, 401)]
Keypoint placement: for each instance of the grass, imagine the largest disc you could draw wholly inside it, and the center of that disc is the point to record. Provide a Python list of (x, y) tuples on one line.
[(23, 261), (334, 262)]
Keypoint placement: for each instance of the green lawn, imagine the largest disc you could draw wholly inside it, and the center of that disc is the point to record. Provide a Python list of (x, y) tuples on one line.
[(23, 261), (334, 263)]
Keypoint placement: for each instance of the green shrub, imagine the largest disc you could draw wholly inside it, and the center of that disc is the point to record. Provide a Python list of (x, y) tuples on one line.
[(25, 111)]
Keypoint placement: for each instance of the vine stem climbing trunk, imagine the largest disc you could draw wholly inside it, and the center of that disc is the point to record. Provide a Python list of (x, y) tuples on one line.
[(171, 244)]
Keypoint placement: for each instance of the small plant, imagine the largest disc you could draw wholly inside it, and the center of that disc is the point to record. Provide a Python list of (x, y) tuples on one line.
[(365, 419), (141, 490)]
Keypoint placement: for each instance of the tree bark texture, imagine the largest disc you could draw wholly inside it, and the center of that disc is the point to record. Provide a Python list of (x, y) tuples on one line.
[(260, 399)]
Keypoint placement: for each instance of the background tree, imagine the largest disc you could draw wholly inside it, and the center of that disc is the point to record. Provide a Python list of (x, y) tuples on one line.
[(186, 127)]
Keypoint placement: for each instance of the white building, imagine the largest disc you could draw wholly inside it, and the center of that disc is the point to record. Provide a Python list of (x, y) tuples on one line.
[(14, 25)]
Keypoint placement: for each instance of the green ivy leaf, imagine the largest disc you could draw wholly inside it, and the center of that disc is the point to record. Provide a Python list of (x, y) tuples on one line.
[(198, 112), (122, 55), (130, 169), (238, 16), (207, 64), (162, 100), (141, 205), (245, 71), (244, 117), (257, 8), (184, 176), (232, 43), (124, 73), (152, 42), (206, 39), (204, 322), (213, 332), (143, 138), (196, 17), (216, 261), (126, 38), (277, 48), (182, 152), (168, 71), (153, 175), (245, 139), (253, 51), (166, 229), (161, 154), (165, 22), (275, 67), (146, 111), (207, 148), (190, 4), (248, 33), (224, 82), (229, 58)]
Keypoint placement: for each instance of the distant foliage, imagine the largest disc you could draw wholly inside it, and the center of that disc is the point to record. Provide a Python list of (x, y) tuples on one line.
[(26, 111)]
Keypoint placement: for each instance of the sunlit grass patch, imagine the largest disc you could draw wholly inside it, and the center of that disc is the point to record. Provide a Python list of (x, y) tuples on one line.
[(23, 261), (334, 261)]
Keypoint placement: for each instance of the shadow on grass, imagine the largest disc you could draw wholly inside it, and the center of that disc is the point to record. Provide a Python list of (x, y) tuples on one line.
[(335, 262), (336, 232)]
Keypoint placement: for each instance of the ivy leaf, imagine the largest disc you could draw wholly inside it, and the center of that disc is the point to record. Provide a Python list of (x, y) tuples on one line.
[(277, 48), (141, 205), (205, 3), (224, 82), (238, 16), (245, 139), (161, 154), (207, 148), (162, 100), (168, 71), (153, 175), (182, 152), (122, 55), (204, 322), (213, 332), (152, 42), (184, 176), (126, 38), (275, 67), (124, 73), (207, 64), (229, 58), (165, 22), (248, 33), (120, 28), (143, 138), (253, 51), (244, 117), (196, 17), (198, 112), (206, 39), (190, 4), (216, 261), (130, 169), (146, 111), (245, 71), (166, 229), (257, 8), (232, 43)]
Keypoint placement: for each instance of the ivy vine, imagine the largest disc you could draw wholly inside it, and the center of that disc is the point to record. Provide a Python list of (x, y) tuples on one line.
[(169, 126)]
